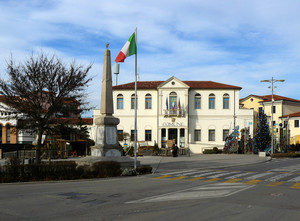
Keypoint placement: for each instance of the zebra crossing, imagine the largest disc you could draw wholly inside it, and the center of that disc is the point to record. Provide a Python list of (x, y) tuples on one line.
[(285, 176)]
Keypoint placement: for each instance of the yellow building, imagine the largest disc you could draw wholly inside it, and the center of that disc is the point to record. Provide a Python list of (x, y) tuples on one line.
[(282, 108), (291, 122)]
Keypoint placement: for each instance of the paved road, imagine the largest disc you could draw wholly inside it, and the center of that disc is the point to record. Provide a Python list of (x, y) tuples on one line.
[(246, 192)]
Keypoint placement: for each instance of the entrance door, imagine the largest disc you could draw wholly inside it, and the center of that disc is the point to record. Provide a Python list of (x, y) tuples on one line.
[(173, 134)]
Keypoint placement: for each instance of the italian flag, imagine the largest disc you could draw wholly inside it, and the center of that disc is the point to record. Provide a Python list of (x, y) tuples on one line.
[(128, 49)]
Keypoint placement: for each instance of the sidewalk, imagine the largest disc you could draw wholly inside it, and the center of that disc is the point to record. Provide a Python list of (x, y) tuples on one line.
[(200, 161), (196, 161)]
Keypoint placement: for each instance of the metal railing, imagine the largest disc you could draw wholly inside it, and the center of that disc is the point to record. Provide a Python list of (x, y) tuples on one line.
[(175, 112)]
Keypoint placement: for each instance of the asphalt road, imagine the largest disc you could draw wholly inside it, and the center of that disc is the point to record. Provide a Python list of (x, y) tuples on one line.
[(265, 191)]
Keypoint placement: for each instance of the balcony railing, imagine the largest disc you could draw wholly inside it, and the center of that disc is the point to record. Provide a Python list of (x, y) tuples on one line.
[(175, 112)]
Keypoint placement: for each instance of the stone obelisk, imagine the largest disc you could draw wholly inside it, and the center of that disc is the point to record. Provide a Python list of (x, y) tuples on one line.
[(106, 143)]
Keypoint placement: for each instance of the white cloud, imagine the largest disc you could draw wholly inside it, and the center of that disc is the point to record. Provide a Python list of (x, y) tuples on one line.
[(230, 41)]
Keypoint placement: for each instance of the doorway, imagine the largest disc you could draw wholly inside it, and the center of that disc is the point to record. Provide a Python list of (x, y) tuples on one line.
[(172, 134)]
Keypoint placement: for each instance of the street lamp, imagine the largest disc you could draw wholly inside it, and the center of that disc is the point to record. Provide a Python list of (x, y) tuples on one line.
[(272, 81)]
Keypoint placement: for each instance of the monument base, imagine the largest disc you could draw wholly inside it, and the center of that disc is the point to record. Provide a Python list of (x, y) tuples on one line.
[(107, 144)]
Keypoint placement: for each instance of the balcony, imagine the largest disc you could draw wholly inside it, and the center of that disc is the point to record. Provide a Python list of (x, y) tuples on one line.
[(174, 113)]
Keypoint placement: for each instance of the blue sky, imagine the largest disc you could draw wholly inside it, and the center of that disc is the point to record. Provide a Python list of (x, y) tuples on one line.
[(228, 41)]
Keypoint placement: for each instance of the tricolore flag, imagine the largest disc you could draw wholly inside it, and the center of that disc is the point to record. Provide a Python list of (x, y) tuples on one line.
[(173, 101), (179, 104), (128, 49), (167, 104)]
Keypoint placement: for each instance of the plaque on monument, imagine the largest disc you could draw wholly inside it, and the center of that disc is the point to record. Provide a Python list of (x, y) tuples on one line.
[(100, 135), (111, 135)]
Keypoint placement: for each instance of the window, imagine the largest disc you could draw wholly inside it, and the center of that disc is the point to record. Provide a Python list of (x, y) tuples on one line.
[(296, 123), (274, 109), (212, 99), (197, 135), (133, 101), (120, 101), (173, 100), (148, 101), (211, 135), (120, 135), (225, 134), (132, 135), (197, 101), (226, 101), (7, 134), (148, 136)]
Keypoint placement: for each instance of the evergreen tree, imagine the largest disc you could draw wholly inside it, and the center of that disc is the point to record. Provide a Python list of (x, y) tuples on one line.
[(262, 139)]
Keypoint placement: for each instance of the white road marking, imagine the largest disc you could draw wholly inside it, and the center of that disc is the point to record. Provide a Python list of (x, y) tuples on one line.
[(223, 174), (200, 192), (178, 172), (194, 172), (295, 179), (209, 173), (258, 175), (278, 177), (238, 175)]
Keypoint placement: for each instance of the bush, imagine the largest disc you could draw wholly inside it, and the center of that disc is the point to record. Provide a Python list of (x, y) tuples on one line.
[(215, 150), (106, 169), (285, 155), (146, 169), (59, 170)]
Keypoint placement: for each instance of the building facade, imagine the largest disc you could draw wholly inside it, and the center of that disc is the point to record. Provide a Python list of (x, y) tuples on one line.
[(198, 115), (285, 114)]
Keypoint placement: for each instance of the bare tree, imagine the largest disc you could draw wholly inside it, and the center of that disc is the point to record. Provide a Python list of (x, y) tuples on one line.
[(42, 88)]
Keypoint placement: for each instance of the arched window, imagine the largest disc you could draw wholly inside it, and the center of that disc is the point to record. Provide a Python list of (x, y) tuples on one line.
[(133, 101), (212, 100), (120, 101), (226, 101), (197, 101), (173, 100), (148, 101), (8, 133)]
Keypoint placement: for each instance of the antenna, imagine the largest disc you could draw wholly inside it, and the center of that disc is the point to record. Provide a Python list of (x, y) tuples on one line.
[(116, 71)]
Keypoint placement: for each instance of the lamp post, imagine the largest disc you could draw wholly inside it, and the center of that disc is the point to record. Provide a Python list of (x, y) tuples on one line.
[(272, 81)]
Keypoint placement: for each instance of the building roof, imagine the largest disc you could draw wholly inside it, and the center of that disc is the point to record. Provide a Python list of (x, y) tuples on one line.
[(191, 84), (267, 98), (296, 114)]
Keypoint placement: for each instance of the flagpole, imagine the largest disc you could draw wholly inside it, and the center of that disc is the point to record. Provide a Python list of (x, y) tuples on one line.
[(135, 102)]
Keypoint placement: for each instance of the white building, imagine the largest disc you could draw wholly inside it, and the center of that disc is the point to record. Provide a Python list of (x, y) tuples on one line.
[(197, 114)]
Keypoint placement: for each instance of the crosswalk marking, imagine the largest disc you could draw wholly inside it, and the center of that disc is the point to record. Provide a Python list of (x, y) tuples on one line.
[(194, 172), (162, 177), (209, 173), (296, 186), (212, 180), (178, 172), (295, 179), (179, 178), (196, 178), (239, 175), (271, 178), (259, 175), (253, 182), (222, 174), (275, 183), (280, 176), (233, 180)]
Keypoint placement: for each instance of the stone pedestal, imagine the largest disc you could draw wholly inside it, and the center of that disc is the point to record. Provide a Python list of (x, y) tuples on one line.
[(106, 143)]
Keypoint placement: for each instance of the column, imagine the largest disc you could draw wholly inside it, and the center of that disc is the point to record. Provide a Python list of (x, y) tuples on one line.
[(186, 138), (178, 137)]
